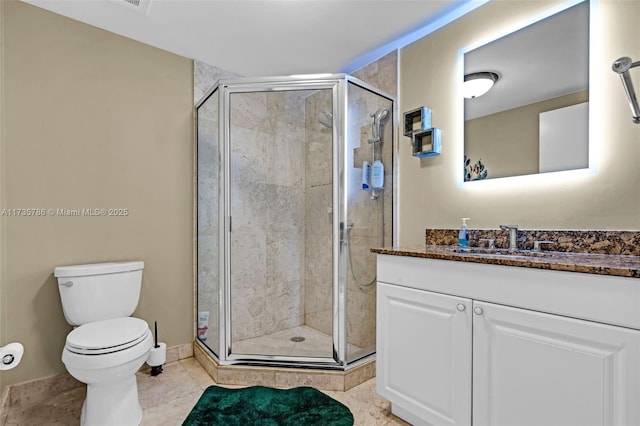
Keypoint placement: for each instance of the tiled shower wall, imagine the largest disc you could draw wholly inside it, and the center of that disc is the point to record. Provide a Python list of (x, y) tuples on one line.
[(319, 215), (267, 206)]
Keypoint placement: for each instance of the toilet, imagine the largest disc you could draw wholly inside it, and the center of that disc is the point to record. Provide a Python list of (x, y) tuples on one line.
[(107, 346)]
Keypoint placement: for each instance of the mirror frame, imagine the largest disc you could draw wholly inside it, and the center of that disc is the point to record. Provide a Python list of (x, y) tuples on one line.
[(503, 32)]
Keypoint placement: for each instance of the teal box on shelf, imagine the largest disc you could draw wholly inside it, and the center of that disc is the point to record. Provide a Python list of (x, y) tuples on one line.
[(427, 143)]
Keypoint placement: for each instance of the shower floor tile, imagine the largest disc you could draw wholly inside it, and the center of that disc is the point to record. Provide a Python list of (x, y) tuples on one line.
[(315, 344)]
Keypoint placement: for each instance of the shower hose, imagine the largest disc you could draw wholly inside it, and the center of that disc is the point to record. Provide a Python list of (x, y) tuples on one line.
[(364, 283)]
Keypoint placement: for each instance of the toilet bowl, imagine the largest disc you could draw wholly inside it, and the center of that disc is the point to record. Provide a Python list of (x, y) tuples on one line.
[(107, 346), (106, 356)]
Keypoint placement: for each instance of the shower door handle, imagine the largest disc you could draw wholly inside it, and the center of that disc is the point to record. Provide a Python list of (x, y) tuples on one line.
[(344, 232)]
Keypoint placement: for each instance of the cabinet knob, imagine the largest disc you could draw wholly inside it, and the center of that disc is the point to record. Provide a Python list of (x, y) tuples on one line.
[(461, 307), (477, 310)]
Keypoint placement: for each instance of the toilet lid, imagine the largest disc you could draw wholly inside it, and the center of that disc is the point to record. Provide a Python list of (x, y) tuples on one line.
[(97, 269), (107, 336)]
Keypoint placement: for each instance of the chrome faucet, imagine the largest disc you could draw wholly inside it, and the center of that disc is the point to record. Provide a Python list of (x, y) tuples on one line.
[(513, 235)]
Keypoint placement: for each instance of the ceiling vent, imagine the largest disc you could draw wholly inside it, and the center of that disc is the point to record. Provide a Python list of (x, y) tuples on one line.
[(140, 6)]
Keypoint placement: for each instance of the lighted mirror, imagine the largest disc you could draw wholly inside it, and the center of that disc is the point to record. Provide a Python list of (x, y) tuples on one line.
[(534, 116)]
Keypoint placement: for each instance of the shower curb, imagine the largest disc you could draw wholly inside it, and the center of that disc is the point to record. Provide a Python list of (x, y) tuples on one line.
[(284, 377)]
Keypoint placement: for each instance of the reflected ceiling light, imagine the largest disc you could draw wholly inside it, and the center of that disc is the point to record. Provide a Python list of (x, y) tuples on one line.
[(478, 83)]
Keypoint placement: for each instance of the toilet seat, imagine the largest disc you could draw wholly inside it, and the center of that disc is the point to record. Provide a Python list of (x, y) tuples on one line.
[(106, 344), (108, 336)]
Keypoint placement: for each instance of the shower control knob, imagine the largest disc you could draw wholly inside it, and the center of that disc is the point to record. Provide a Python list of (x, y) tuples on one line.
[(477, 310), (461, 307)]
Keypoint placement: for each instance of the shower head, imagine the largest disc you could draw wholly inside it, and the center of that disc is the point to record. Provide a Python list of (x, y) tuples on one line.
[(325, 118), (380, 115), (376, 127)]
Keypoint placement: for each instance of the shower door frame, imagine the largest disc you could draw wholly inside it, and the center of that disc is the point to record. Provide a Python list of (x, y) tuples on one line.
[(338, 83)]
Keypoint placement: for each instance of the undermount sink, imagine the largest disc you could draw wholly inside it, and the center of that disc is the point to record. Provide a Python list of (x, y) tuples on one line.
[(499, 252)]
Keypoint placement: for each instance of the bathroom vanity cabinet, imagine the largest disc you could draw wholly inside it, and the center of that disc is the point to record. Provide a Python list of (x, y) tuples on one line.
[(468, 343)]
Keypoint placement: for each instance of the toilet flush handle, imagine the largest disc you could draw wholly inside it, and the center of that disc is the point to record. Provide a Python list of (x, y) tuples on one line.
[(67, 284)]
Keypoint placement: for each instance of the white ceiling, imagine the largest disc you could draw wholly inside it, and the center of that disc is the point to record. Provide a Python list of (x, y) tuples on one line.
[(267, 37), (545, 60)]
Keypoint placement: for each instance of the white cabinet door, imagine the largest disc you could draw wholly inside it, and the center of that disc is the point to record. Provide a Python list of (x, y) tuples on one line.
[(531, 368), (424, 355)]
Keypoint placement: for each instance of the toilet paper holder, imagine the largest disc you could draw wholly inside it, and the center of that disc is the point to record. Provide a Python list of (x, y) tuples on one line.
[(8, 359), (157, 354), (11, 355)]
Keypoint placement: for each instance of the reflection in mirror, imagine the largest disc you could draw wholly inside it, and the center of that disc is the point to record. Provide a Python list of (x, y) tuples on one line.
[(535, 117)]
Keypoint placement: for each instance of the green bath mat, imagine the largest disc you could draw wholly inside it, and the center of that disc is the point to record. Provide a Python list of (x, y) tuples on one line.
[(259, 405)]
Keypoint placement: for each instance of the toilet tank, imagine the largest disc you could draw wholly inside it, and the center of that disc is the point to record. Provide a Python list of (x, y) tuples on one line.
[(99, 291)]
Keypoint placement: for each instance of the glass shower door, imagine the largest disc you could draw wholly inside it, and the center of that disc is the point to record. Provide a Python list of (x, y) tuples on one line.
[(280, 208), (370, 210), (208, 187)]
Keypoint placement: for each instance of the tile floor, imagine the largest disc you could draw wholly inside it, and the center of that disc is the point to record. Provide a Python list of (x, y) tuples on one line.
[(168, 398)]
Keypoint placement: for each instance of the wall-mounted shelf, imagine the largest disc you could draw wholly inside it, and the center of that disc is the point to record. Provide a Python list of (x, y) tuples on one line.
[(425, 140), (420, 116), (426, 143)]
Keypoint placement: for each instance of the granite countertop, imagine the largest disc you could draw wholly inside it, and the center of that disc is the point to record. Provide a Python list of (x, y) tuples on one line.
[(602, 264)]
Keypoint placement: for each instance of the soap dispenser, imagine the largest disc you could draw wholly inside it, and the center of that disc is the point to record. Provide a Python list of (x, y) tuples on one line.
[(377, 175), (463, 235)]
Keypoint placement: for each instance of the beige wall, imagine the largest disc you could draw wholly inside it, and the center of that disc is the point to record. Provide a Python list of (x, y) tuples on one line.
[(507, 142), (3, 317), (92, 120), (430, 195)]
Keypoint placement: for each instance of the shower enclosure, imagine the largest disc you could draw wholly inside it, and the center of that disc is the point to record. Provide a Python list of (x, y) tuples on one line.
[(284, 227)]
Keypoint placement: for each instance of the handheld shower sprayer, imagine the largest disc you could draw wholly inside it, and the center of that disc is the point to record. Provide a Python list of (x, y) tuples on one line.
[(380, 115), (373, 180), (376, 126)]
